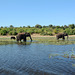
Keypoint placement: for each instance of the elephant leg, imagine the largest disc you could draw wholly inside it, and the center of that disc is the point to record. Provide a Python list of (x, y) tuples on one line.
[(24, 39), (57, 38), (63, 38), (17, 39), (20, 39)]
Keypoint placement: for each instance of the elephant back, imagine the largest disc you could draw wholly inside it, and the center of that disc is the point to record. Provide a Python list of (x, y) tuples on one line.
[(59, 35), (21, 33)]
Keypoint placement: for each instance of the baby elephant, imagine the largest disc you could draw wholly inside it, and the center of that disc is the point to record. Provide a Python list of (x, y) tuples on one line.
[(12, 37)]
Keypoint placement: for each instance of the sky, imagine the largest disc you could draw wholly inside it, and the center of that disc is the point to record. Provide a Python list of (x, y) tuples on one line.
[(31, 12)]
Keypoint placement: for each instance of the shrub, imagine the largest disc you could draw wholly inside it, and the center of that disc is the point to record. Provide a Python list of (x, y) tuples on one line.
[(3, 32), (14, 33), (38, 26), (55, 31), (10, 33)]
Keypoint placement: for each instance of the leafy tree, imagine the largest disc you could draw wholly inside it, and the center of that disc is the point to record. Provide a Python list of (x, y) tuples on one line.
[(68, 31), (56, 31), (38, 26), (11, 26), (23, 26), (74, 31), (50, 25), (44, 26), (57, 26), (5, 27), (3, 32), (10, 33), (72, 26), (62, 27), (65, 26), (28, 26), (1, 26)]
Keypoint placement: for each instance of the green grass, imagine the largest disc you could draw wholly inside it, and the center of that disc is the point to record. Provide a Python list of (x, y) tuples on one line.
[(46, 40), (52, 40)]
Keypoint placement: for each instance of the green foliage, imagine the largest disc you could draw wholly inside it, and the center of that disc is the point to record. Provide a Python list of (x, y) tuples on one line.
[(14, 33), (11, 26), (71, 26), (3, 32), (38, 26), (55, 31), (69, 31), (43, 30), (28, 26), (10, 33)]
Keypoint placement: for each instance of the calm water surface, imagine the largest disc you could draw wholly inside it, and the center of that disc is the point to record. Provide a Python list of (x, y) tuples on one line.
[(36, 59)]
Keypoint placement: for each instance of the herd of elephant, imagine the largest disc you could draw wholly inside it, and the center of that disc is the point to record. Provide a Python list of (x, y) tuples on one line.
[(22, 36)]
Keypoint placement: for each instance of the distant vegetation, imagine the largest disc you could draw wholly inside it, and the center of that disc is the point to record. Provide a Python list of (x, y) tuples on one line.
[(43, 30)]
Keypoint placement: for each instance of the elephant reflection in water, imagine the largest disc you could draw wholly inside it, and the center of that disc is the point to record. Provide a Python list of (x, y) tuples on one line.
[(23, 36), (62, 35)]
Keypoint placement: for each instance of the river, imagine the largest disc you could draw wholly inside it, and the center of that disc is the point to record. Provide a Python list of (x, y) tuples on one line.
[(36, 59)]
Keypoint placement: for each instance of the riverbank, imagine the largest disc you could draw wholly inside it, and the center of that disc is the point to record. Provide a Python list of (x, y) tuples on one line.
[(33, 35), (42, 39)]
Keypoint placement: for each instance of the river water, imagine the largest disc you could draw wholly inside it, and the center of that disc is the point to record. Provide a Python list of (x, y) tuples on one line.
[(36, 59)]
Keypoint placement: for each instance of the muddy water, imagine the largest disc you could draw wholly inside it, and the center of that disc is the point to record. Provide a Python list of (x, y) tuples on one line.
[(36, 59)]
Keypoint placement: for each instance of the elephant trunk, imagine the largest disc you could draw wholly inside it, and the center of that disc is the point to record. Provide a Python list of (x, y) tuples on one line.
[(67, 37), (30, 38)]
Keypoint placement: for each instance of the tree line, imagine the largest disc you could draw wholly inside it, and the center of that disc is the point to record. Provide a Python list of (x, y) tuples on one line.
[(38, 29)]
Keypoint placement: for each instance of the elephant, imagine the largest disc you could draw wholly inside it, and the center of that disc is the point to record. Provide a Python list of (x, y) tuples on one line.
[(61, 35), (12, 37), (23, 36)]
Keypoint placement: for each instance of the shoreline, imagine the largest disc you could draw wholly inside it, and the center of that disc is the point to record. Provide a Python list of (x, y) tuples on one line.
[(33, 35)]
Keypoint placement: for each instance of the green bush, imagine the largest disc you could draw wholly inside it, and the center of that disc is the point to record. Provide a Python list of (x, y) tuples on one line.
[(3, 32), (49, 33), (69, 31), (56, 31), (14, 33), (10, 33), (38, 26)]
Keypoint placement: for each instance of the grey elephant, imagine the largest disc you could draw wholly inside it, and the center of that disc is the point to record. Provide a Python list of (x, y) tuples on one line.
[(22, 36), (61, 35)]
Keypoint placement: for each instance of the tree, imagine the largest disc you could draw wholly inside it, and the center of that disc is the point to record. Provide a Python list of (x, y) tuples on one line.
[(38, 26), (3, 32), (50, 25), (45, 26), (57, 26), (28, 26), (1, 26), (11, 26), (65, 26), (23, 26), (72, 26), (62, 27)]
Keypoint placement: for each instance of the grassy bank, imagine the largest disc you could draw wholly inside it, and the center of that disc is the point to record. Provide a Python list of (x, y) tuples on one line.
[(40, 39)]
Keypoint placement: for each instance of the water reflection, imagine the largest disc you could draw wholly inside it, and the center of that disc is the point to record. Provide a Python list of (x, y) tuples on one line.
[(23, 43)]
